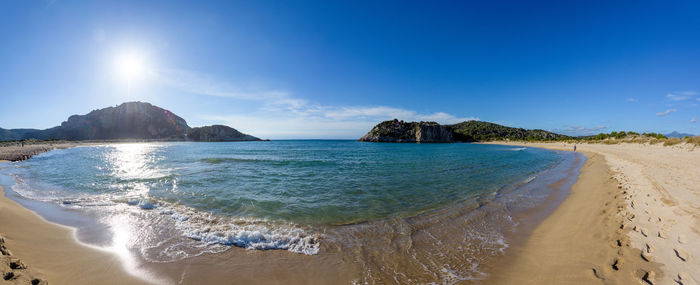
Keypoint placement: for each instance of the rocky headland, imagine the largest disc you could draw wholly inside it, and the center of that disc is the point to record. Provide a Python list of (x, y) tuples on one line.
[(400, 131), (468, 131)]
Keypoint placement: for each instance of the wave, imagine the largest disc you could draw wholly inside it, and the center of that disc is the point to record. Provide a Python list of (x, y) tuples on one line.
[(217, 160), (204, 227), (247, 233)]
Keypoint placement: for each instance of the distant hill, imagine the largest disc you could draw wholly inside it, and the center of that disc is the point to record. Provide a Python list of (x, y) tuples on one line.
[(468, 131), (14, 134), (473, 131), (675, 134), (218, 133), (131, 120)]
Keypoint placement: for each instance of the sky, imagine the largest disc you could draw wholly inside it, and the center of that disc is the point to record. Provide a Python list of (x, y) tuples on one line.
[(334, 69)]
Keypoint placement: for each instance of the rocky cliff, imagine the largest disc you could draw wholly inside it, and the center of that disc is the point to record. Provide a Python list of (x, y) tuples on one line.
[(218, 133), (469, 131), (400, 131), (131, 120)]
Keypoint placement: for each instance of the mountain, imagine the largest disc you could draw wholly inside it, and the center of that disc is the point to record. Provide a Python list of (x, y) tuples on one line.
[(400, 131), (675, 134), (131, 120), (468, 131), (14, 134)]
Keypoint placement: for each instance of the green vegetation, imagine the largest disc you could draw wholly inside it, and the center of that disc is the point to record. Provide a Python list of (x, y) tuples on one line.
[(473, 131)]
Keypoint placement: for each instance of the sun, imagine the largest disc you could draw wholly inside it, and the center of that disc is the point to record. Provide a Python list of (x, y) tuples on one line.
[(130, 66)]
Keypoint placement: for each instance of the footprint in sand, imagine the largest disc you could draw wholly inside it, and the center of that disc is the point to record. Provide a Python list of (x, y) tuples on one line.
[(643, 231), (682, 239), (649, 277), (684, 279), (662, 235), (617, 264), (682, 254)]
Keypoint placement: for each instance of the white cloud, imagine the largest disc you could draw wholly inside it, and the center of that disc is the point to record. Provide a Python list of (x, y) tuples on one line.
[(203, 84), (681, 95), (632, 100), (693, 120), (664, 113), (281, 115)]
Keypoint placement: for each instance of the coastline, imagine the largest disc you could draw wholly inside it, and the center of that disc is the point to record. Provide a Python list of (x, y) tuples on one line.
[(51, 251), (631, 217), (577, 242)]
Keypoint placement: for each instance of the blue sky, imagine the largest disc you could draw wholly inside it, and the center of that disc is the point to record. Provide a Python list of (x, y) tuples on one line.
[(322, 69)]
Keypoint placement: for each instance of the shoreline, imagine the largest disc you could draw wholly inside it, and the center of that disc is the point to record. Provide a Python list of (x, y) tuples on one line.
[(589, 237), (624, 221), (339, 262)]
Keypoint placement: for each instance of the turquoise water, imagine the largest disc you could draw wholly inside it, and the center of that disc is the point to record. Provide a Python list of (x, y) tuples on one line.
[(273, 194), (313, 182)]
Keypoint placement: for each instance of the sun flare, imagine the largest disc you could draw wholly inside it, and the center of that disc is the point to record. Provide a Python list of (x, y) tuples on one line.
[(130, 66)]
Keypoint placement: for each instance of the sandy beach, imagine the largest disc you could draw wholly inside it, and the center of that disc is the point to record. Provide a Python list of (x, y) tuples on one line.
[(632, 217)]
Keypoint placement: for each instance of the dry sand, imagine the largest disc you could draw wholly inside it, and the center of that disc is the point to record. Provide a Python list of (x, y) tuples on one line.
[(632, 217), (51, 252)]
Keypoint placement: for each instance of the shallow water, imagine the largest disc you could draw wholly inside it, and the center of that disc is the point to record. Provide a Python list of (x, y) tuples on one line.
[(434, 212)]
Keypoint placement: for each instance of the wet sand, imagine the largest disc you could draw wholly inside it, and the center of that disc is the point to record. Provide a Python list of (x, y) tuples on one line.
[(51, 252)]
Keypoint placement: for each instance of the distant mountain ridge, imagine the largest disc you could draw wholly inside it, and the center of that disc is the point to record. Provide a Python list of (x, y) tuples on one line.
[(676, 134), (468, 131), (130, 120)]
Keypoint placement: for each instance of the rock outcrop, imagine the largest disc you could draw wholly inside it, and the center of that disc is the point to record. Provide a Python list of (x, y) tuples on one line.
[(218, 133), (415, 132), (469, 131)]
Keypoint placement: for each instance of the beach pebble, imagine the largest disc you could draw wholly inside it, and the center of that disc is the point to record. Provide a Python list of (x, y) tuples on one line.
[(649, 277), (682, 254)]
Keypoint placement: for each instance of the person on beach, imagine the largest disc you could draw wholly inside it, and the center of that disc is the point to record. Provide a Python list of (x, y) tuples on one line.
[(574, 148)]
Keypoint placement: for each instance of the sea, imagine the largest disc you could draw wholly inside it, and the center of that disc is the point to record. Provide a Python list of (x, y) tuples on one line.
[(400, 212)]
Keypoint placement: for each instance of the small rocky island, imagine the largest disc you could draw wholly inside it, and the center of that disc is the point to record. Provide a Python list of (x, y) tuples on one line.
[(468, 131)]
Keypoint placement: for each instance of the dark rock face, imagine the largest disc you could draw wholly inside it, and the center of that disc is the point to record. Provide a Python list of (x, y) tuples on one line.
[(400, 131), (218, 133), (132, 120)]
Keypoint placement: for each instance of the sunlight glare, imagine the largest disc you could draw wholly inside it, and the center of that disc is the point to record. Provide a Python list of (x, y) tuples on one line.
[(130, 66)]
